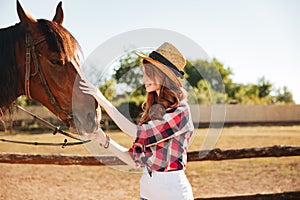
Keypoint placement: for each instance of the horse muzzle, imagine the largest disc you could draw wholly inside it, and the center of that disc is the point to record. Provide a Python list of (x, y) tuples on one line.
[(85, 122)]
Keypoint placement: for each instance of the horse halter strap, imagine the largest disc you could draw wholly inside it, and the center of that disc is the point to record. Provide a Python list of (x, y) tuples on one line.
[(30, 47), (30, 53)]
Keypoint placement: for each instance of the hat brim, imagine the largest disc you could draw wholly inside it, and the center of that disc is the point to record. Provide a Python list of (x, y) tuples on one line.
[(165, 69)]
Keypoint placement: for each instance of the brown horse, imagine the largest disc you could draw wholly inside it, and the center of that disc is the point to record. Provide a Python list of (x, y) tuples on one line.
[(40, 59)]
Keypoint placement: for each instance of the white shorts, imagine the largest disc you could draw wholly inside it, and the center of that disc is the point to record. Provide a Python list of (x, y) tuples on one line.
[(165, 185)]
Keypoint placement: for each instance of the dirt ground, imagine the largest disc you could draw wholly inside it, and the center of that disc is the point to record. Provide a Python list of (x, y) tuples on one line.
[(211, 179), (208, 178)]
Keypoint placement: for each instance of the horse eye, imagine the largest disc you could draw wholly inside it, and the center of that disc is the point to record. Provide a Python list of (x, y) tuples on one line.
[(56, 62)]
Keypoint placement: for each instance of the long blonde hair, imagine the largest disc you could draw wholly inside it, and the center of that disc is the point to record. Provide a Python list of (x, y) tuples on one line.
[(169, 96)]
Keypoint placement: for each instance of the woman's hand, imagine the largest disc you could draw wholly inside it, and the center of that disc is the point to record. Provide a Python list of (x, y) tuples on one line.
[(100, 137), (123, 123), (92, 90)]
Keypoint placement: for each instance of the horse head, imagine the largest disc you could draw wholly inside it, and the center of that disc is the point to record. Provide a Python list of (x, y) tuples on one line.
[(49, 71)]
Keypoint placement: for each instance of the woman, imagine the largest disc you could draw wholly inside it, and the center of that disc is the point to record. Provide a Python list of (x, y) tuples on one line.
[(164, 131)]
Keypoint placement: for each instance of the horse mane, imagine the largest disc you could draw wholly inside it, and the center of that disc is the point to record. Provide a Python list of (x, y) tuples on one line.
[(58, 39), (9, 38), (61, 40)]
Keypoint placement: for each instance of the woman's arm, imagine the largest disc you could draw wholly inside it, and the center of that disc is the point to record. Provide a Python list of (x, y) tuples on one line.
[(123, 123), (120, 151)]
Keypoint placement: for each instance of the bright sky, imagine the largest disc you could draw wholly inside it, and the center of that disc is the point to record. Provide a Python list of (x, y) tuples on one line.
[(254, 38)]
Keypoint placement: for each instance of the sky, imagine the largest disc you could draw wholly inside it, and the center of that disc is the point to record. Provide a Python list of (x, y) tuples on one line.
[(255, 38)]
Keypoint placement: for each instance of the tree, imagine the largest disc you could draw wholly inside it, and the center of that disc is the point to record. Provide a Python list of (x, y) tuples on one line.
[(108, 90), (206, 81), (204, 94), (264, 87), (284, 96), (129, 71), (213, 72)]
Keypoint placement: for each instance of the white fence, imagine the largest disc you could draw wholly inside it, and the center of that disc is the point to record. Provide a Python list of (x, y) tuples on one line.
[(246, 114)]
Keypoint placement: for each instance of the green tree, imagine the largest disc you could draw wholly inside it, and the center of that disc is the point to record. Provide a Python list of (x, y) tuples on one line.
[(264, 87), (205, 94), (108, 89), (250, 94), (284, 96), (129, 71), (213, 72), (207, 81)]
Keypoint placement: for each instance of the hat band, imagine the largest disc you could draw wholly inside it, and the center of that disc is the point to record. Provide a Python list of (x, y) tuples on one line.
[(157, 56)]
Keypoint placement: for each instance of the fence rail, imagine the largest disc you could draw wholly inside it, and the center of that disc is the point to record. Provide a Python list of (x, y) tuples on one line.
[(215, 154)]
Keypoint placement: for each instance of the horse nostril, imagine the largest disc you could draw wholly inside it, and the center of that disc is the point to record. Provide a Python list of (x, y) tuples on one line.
[(90, 116)]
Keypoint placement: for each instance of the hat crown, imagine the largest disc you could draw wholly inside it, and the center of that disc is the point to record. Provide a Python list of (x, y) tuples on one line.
[(172, 54)]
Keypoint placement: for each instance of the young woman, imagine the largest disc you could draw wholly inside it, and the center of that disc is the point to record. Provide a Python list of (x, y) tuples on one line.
[(164, 131)]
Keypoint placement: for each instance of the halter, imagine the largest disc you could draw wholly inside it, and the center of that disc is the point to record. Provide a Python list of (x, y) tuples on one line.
[(30, 53)]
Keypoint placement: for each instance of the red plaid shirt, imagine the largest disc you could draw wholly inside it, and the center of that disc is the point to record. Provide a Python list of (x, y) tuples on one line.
[(161, 145)]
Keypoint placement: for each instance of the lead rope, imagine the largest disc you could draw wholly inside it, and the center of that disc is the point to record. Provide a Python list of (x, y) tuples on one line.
[(55, 131)]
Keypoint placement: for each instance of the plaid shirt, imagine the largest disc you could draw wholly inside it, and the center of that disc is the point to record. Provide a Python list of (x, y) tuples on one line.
[(161, 145)]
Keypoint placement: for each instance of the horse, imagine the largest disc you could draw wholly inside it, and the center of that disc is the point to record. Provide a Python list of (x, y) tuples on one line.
[(39, 58)]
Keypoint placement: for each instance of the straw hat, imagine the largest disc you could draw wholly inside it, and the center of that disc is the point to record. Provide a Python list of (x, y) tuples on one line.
[(168, 59)]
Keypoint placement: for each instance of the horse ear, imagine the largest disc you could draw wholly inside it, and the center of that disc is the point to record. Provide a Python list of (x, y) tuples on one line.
[(26, 19), (59, 15)]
